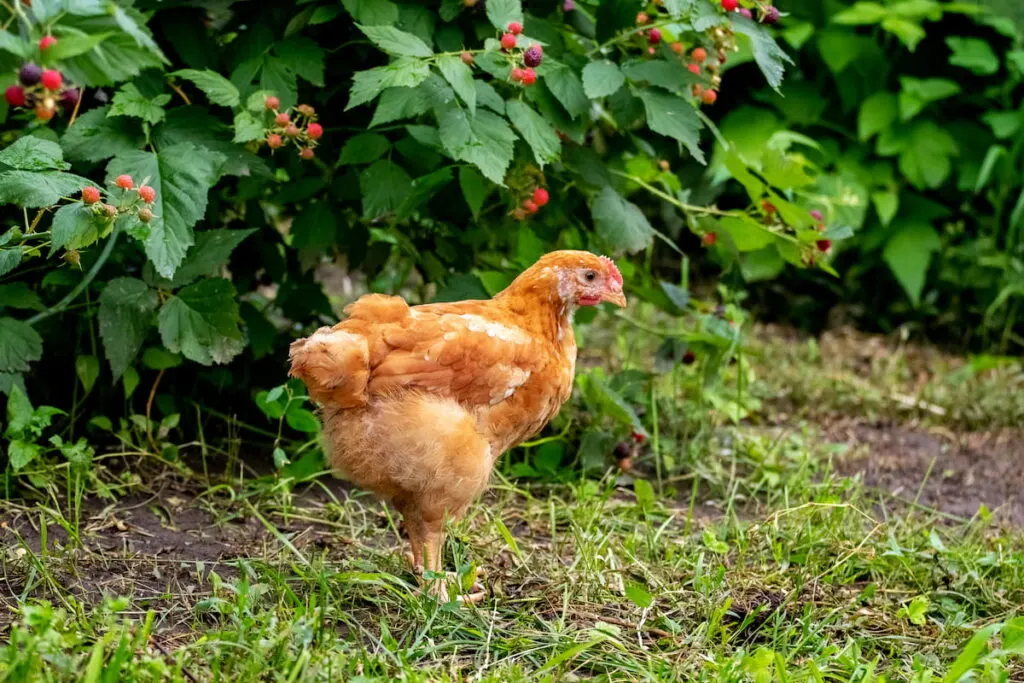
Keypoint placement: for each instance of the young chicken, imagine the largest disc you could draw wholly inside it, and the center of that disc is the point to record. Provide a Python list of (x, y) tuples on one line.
[(418, 402)]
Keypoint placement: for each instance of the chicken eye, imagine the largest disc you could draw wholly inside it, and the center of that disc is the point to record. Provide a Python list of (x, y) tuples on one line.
[(590, 276)]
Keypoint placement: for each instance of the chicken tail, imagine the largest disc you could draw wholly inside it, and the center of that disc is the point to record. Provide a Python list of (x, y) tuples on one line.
[(334, 364)]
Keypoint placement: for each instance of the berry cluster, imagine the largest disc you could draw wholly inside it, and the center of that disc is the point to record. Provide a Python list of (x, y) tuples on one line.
[(766, 13), (531, 204), (131, 200), (297, 126), (652, 35), (42, 89), (523, 62), (824, 245)]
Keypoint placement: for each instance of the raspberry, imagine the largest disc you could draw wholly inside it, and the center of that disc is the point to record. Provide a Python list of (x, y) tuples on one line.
[(709, 239), (51, 79), (709, 97), (626, 464), (305, 110), (467, 59), (745, 12), (274, 141), (30, 74), (768, 207), (817, 215), (90, 195), (515, 28), (272, 102), (315, 131), (568, 6), (47, 42), (699, 54), (771, 15), (516, 74), (15, 96), (282, 119), (125, 182), (70, 97), (664, 165), (694, 68), (44, 113), (622, 450), (529, 76), (291, 130), (541, 196), (697, 90), (531, 206), (654, 36), (109, 210), (677, 47), (533, 55), (638, 437), (642, 19), (651, 51), (307, 153), (147, 194), (508, 41), (689, 357), (823, 245), (730, 5), (145, 215)]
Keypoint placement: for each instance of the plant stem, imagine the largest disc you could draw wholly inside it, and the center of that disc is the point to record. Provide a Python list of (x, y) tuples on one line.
[(86, 281), (692, 208)]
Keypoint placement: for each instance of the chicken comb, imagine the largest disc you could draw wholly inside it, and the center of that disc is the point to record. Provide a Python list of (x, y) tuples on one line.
[(613, 270)]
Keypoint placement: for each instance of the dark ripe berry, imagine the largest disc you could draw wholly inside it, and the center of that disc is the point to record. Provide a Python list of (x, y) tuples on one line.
[(540, 196), (745, 12), (124, 181), (730, 5), (529, 76), (291, 130), (516, 74), (709, 239), (69, 98), (689, 357), (515, 28), (145, 215), (47, 42), (699, 54), (315, 131), (817, 215), (51, 79), (15, 96), (30, 74), (771, 15), (307, 153), (282, 119), (654, 36), (642, 18), (823, 245), (90, 195), (709, 97), (274, 141), (467, 58), (694, 68), (147, 194), (530, 206), (622, 450), (677, 47), (638, 437), (272, 103), (533, 56), (508, 41)]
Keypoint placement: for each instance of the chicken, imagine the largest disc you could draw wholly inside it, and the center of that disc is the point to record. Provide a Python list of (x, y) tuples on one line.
[(418, 402)]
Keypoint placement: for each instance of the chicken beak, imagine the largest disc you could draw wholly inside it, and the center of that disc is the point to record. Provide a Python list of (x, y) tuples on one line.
[(615, 296)]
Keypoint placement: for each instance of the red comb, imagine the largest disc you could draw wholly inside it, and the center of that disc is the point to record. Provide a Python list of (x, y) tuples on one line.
[(613, 270)]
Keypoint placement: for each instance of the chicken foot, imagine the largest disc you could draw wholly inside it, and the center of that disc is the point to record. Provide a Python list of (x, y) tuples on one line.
[(426, 543)]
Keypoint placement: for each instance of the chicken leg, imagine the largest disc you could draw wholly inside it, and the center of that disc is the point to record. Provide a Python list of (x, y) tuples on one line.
[(426, 543)]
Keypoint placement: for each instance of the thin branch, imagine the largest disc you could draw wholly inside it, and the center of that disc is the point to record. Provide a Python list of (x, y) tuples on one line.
[(86, 281)]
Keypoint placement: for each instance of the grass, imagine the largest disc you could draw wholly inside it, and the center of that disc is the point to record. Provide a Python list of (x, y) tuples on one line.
[(734, 551)]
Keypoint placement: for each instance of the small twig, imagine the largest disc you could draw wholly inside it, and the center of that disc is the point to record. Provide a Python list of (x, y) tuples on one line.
[(78, 103), (86, 281), (626, 624), (175, 88), (35, 221), (149, 409), (165, 653)]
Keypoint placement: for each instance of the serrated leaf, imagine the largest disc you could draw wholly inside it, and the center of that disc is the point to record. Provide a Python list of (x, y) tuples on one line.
[(770, 58), (87, 368), (668, 75), (247, 127), (372, 12), (34, 189), (917, 93), (182, 175), (128, 49), (973, 54), (19, 295), (877, 113), (315, 228), (301, 420), (399, 103), (364, 148), (503, 12), (384, 186), (909, 253), (129, 101), (218, 89), (366, 85), (746, 233), (9, 260), (278, 77), (202, 323), (72, 45), (567, 88), (886, 205), (536, 130), (30, 153), (474, 188), (396, 42), (460, 76), (19, 345), (484, 140), (74, 226), (197, 126), (94, 137), (126, 313), (675, 117), (620, 223), (601, 79), (488, 97), (21, 453), (208, 255)]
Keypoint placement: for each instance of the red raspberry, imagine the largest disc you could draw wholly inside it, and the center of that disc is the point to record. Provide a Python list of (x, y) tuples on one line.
[(768, 207), (515, 28), (745, 12), (638, 437), (467, 58), (44, 113), (651, 51), (689, 357), (817, 215), (694, 68), (698, 90), (52, 80), (147, 194), (730, 5), (90, 195), (47, 42), (541, 196), (272, 103), (709, 97), (516, 74), (508, 41), (699, 54), (15, 96), (823, 245), (124, 181), (529, 76), (771, 15), (274, 141), (307, 153), (145, 215), (315, 131), (531, 206), (291, 130), (709, 239), (642, 18), (533, 55), (282, 119), (654, 36), (677, 47)]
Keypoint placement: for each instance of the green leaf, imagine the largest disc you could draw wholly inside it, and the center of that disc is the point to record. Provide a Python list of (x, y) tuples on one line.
[(364, 148), (488, 97), (19, 345), (909, 253), (247, 127), (72, 45), (372, 12), (970, 654), (877, 113), (770, 58), (30, 153), (19, 295), (746, 233), (926, 157), (159, 359), (460, 76), (87, 368), (21, 453), (399, 103), (128, 49), (301, 420), (861, 13), (601, 79), (126, 313), (536, 130), (423, 189), (1013, 636), (396, 42), (886, 204), (15, 45), (366, 85), (916, 94), (638, 595), (182, 175), (94, 137), (675, 117), (484, 140), (208, 255), (909, 33), (304, 57), (384, 186), (566, 86), (503, 12), (973, 54), (1004, 124), (37, 189), (474, 188), (218, 89), (19, 412), (669, 75), (74, 226), (315, 228), (129, 101), (9, 260), (645, 498), (201, 322), (620, 223)]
